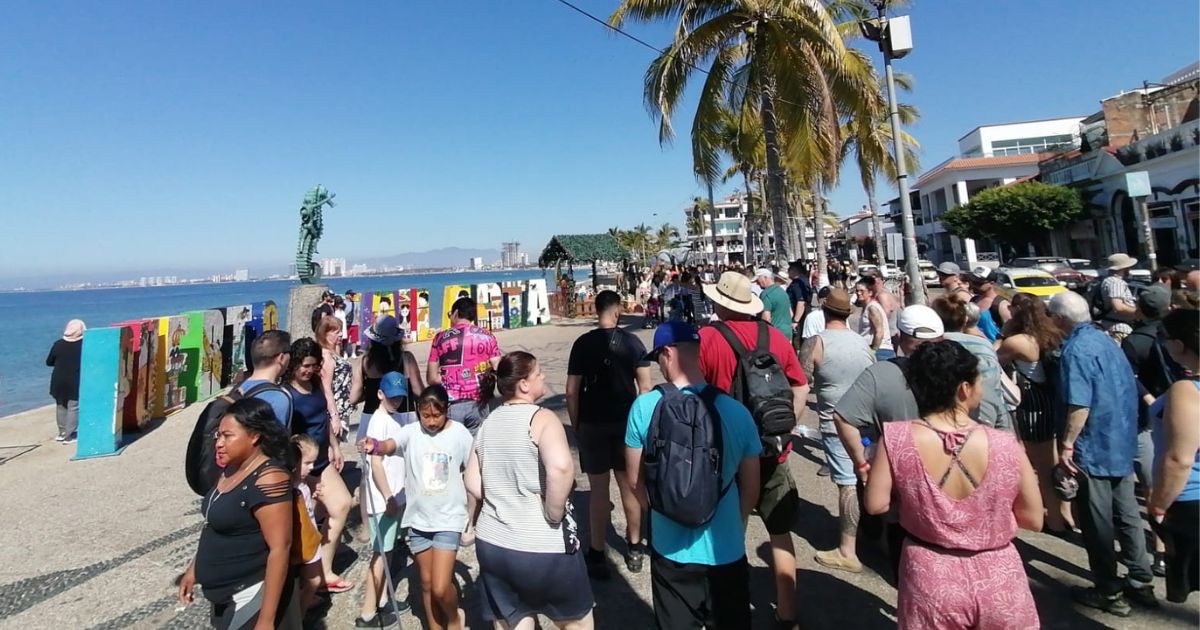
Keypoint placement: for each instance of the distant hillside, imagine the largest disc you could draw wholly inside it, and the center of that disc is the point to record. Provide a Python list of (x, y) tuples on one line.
[(434, 258)]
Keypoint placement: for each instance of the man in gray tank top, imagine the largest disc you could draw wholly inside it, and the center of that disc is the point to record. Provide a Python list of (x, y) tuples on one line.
[(835, 358)]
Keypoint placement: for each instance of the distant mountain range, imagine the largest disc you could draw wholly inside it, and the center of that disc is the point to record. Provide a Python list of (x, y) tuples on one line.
[(434, 258)]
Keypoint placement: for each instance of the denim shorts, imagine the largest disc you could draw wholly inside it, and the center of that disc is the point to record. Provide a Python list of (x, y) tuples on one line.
[(419, 541), (841, 467)]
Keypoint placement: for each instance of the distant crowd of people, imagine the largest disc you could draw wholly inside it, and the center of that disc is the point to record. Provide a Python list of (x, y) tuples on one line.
[(950, 425)]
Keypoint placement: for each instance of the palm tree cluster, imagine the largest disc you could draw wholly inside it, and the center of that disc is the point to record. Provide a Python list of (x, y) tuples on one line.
[(784, 102), (646, 241)]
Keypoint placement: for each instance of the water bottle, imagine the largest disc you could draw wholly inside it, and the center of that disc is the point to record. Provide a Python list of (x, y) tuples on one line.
[(869, 448)]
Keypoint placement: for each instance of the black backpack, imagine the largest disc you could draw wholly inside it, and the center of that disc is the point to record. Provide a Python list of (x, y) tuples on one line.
[(1099, 306), (760, 384), (683, 454), (200, 463)]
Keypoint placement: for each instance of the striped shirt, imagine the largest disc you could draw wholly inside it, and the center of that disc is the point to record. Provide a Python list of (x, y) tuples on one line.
[(514, 483)]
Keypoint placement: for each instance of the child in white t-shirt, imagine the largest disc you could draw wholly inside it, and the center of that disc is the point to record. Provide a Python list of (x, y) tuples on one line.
[(385, 497), (435, 451), (312, 574)]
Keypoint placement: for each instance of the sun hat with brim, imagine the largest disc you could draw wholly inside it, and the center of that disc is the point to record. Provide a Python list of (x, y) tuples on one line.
[(733, 292), (672, 333), (1117, 262), (921, 322), (74, 330), (838, 302), (385, 330)]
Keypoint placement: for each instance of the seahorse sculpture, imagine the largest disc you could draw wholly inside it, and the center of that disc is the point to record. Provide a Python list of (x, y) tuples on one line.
[(311, 228)]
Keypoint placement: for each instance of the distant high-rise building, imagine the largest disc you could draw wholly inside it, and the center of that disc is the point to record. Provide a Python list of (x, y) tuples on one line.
[(241, 275), (332, 267), (510, 254), (476, 263), (523, 259)]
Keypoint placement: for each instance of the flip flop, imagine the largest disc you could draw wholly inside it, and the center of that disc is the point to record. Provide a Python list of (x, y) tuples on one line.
[(336, 586)]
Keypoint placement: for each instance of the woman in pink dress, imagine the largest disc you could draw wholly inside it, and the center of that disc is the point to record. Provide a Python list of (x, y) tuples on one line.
[(960, 489)]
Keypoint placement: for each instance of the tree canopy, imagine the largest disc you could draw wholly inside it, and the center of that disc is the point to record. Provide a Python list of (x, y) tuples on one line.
[(1016, 214)]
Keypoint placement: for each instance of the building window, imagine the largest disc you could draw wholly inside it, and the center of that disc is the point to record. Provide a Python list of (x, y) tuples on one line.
[(1025, 146)]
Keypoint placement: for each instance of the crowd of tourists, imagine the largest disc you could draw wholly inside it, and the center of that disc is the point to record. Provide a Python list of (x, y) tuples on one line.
[(944, 428)]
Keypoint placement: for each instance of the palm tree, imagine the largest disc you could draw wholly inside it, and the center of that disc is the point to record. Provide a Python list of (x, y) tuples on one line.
[(666, 237), (869, 139), (784, 57)]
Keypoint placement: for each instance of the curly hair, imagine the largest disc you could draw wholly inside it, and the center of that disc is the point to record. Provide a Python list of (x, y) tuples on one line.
[(258, 418), (302, 348), (1031, 317), (935, 371)]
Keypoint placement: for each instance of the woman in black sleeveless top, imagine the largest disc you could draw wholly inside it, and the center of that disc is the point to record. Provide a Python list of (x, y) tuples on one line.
[(385, 354), (243, 557)]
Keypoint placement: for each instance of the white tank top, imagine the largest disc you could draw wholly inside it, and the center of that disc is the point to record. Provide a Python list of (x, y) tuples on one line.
[(864, 325)]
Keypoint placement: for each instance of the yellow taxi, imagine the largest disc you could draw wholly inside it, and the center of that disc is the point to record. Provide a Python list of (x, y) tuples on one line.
[(1011, 281)]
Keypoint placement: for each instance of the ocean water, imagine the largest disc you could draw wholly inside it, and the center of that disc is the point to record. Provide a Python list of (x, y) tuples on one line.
[(36, 320)]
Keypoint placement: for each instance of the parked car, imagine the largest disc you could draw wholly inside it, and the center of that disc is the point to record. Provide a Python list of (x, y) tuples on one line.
[(1013, 280), (1060, 268), (1084, 266), (929, 273), (890, 271), (865, 268)]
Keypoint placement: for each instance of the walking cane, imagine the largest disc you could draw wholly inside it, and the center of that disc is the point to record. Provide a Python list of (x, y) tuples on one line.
[(365, 465)]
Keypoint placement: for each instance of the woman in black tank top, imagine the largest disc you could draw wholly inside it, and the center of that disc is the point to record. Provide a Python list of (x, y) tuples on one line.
[(244, 553)]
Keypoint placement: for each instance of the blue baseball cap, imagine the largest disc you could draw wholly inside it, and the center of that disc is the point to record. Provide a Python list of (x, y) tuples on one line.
[(671, 333), (394, 385)]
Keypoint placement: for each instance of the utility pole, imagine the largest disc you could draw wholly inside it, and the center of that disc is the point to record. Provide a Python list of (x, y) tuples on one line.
[(1137, 184), (895, 41)]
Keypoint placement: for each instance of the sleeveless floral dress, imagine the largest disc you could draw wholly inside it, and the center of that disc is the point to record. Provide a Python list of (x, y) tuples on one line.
[(341, 391)]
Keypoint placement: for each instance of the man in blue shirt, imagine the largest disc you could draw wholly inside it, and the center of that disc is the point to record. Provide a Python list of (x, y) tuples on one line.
[(270, 354), (1098, 444), (698, 575)]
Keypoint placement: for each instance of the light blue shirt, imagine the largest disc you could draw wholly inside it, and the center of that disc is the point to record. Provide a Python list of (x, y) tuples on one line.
[(721, 540), (1096, 375), (279, 400)]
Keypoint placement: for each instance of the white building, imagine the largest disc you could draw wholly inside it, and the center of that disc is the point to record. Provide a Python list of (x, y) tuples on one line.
[(991, 155), (732, 233), (476, 263), (241, 275), (332, 267)]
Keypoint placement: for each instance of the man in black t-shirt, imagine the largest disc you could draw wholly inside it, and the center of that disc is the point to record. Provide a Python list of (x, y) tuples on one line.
[(606, 372), (323, 309)]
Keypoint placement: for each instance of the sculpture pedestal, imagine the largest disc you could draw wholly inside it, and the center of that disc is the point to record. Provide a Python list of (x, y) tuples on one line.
[(302, 299)]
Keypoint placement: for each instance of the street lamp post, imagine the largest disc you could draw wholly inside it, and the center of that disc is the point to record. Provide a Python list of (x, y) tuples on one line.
[(895, 41)]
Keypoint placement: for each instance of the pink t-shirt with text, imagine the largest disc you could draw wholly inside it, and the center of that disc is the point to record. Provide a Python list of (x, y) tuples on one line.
[(461, 353)]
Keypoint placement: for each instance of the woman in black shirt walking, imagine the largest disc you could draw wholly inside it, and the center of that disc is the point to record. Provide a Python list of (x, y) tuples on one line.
[(243, 558), (64, 380)]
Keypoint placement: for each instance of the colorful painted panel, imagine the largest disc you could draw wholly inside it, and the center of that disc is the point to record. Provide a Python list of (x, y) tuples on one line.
[(366, 315), (406, 316), (491, 305), (233, 344), (137, 407), (423, 321), (537, 304), (170, 395), (270, 316), (211, 356), (192, 347), (106, 360), (449, 295), (514, 304)]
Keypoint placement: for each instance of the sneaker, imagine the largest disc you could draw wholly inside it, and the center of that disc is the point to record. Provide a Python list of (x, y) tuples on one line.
[(70, 439), (597, 565), (635, 558), (1114, 604), (60, 437), (398, 607), (823, 471), (1159, 567), (1142, 596), (380, 620), (834, 559)]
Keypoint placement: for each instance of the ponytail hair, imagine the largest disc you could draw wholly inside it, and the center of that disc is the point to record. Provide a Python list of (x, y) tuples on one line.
[(514, 367), (952, 309)]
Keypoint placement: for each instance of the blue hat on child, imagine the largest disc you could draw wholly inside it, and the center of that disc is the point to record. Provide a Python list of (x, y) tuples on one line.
[(394, 385), (672, 333)]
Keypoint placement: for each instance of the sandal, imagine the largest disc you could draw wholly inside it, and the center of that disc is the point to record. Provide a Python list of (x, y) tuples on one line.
[(336, 586)]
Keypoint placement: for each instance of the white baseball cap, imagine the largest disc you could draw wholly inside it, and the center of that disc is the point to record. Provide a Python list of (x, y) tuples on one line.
[(921, 322)]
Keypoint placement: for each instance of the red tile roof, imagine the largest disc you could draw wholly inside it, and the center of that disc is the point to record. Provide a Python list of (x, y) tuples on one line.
[(983, 162)]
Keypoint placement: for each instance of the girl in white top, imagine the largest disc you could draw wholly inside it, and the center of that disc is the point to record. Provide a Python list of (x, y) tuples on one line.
[(873, 321)]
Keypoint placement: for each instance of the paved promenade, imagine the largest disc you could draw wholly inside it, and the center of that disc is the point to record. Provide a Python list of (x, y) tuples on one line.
[(98, 543)]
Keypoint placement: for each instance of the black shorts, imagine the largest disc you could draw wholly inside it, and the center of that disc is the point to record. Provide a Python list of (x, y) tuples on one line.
[(518, 584), (698, 595), (778, 499), (601, 448)]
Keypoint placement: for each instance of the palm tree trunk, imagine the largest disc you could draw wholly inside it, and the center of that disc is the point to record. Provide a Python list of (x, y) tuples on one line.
[(751, 221), (775, 199), (881, 241), (819, 235)]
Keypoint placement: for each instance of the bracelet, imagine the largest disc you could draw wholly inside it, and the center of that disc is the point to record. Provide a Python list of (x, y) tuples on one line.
[(1158, 512), (863, 466), (1068, 448)]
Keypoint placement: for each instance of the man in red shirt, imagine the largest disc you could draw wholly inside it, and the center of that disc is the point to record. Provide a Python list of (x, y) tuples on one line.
[(779, 502)]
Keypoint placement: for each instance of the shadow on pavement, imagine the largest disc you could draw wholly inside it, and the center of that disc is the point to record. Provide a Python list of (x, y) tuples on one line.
[(852, 606), (618, 604)]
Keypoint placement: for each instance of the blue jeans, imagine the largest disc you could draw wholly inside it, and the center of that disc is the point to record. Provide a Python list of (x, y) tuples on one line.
[(883, 354)]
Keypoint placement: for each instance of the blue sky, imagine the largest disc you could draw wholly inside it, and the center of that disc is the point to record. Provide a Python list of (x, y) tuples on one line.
[(152, 135)]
